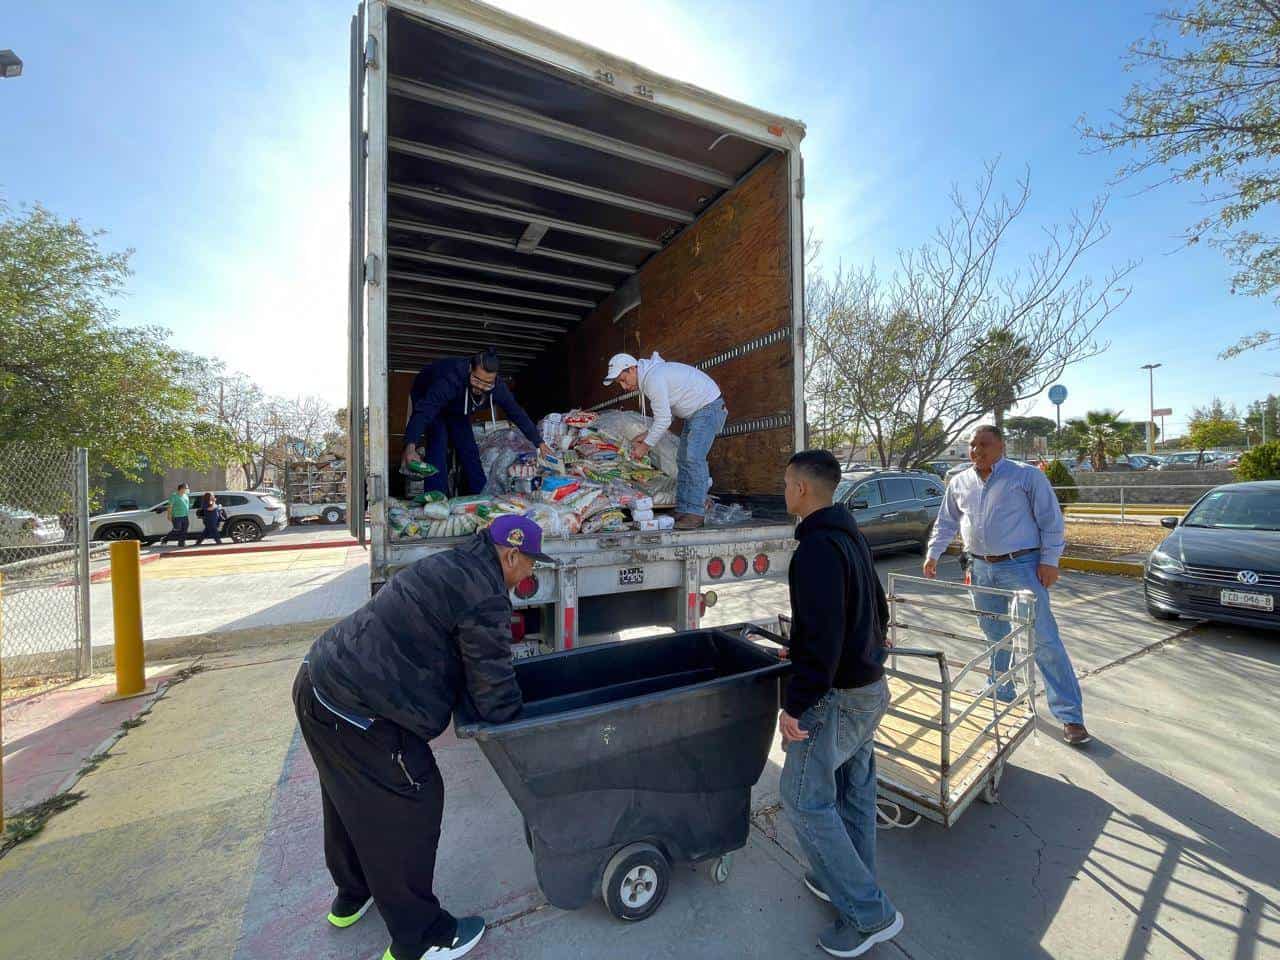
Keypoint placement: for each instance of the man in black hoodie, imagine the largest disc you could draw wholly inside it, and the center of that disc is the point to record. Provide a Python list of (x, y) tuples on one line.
[(832, 704)]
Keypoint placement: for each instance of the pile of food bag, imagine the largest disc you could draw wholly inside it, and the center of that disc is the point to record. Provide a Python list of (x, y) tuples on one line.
[(588, 484)]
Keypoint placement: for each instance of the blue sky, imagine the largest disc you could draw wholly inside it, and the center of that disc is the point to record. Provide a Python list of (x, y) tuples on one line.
[(212, 140)]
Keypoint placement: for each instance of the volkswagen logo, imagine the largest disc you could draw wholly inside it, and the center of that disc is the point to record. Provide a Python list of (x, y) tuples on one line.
[(1248, 578)]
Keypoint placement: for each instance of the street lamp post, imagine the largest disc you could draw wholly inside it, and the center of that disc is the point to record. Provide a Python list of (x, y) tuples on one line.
[(1151, 409)]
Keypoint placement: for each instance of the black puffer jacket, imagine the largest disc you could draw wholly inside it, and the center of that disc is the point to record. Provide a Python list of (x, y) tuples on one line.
[(839, 613), (438, 630)]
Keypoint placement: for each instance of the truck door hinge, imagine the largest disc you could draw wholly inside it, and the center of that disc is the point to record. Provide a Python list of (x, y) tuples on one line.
[(364, 144), (371, 54), (371, 273)]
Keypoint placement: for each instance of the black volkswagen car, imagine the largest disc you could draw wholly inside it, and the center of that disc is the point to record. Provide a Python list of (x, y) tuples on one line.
[(1222, 561)]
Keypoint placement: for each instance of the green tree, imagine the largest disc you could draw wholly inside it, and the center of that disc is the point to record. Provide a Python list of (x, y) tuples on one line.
[(1064, 484), (1023, 432), (998, 368), (1217, 424), (1204, 112), (1260, 463), (1262, 420), (1211, 432), (69, 376), (1099, 435)]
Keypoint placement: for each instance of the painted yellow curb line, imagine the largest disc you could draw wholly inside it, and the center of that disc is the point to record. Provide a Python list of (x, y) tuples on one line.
[(1115, 567)]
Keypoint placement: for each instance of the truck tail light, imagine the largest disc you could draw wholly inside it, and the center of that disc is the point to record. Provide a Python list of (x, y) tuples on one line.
[(527, 587), (715, 568), (761, 564), (739, 565)]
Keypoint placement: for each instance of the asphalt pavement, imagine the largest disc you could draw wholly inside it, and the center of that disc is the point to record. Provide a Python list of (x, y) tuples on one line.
[(200, 835)]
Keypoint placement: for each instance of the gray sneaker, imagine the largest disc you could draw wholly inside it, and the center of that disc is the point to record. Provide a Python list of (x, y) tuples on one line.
[(815, 886), (846, 940)]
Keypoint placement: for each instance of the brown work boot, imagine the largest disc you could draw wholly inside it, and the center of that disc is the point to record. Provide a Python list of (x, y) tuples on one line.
[(688, 521), (1075, 734)]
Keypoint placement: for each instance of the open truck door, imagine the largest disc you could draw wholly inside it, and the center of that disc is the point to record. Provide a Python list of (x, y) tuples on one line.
[(356, 494)]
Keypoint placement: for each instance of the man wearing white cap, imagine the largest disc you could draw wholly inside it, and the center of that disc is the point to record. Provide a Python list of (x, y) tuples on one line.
[(676, 390)]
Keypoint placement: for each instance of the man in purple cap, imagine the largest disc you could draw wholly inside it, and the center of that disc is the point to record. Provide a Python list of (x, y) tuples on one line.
[(371, 695)]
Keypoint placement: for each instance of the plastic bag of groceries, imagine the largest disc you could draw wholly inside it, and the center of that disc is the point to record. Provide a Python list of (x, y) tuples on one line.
[(626, 425), (498, 452)]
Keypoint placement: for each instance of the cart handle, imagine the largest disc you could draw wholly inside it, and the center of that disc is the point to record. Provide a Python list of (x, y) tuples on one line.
[(749, 629), (917, 652)]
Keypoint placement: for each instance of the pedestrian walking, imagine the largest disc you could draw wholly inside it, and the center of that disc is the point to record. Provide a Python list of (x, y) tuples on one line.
[(1011, 525), (179, 511), (373, 692), (213, 514), (832, 704)]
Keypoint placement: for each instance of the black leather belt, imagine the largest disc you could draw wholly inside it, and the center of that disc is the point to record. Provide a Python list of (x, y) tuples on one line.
[(1006, 556)]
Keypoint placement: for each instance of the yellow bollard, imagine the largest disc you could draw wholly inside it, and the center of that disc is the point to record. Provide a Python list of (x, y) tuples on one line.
[(126, 614)]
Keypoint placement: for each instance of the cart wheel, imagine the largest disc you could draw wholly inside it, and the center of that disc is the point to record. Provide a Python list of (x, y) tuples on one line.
[(991, 792), (724, 865), (635, 881)]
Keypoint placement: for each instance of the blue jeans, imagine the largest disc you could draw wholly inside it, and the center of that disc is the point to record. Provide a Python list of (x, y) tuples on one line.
[(452, 430), (829, 793), (1062, 689), (694, 478)]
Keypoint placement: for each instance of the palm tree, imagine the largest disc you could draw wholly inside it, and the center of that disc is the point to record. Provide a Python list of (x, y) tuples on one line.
[(998, 366), (1099, 435)]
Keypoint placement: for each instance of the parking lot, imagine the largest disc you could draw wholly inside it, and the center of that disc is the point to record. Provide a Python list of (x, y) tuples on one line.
[(1157, 840)]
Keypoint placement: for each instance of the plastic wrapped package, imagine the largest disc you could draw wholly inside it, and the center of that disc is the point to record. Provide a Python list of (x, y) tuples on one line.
[(625, 426), (498, 452), (727, 514), (418, 469), (546, 517), (436, 510), (609, 521)]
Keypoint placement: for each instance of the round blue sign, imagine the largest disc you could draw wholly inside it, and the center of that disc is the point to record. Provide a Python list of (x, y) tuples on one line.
[(1057, 394)]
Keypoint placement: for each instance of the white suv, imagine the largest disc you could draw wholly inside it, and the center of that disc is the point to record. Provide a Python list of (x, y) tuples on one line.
[(250, 514)]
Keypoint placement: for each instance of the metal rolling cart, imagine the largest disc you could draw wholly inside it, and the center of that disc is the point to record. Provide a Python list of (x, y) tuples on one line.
[(940, 746)]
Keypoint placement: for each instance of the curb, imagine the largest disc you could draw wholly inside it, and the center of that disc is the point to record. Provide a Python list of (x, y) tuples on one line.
[(265, 548), (102, 575), (1114, 567)]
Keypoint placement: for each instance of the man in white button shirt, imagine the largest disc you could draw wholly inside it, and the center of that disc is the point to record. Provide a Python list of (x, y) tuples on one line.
[(1009, 519), (676, 390)]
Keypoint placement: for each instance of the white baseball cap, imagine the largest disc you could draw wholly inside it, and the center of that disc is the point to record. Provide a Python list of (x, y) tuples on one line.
[(617, 363)]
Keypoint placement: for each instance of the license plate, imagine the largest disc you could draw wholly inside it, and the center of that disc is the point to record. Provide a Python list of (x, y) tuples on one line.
[(631, 577), (1250, 601)]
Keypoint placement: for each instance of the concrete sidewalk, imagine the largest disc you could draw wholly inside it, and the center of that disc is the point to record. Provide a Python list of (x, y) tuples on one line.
[(200, 836)]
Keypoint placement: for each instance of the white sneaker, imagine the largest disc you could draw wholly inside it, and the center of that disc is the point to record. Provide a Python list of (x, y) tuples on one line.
[(470, 930)]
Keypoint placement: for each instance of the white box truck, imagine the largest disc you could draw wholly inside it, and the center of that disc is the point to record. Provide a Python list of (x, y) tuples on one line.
[(512, 186)]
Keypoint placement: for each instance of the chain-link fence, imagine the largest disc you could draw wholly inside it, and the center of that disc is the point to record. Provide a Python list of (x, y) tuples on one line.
[(44, 564)]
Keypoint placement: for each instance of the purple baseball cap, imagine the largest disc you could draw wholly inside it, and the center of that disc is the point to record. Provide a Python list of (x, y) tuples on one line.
[(521, 533)]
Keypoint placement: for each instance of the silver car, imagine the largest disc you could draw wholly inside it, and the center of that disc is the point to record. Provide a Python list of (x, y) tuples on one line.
[(250, 515)]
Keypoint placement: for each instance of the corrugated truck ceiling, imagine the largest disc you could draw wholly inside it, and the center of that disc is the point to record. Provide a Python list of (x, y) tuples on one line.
[(519, 198)]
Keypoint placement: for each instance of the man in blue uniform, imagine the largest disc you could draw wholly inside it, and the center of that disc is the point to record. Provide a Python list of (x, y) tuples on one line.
[(445, 395)]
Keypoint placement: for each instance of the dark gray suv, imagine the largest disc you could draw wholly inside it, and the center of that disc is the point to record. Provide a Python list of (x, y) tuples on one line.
[(895, 509)]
